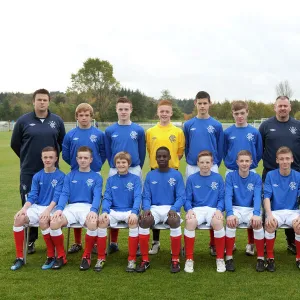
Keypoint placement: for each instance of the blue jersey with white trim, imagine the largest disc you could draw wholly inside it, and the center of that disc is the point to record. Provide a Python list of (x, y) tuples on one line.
[(122, 193), (203, 134), (204, 191), (283, 191), (245, 192)]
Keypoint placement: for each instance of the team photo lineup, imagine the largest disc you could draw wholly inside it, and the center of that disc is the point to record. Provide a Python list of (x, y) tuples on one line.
[(164, 199)]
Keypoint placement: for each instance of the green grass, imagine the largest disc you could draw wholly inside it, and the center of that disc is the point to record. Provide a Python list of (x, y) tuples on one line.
[(113, 282)]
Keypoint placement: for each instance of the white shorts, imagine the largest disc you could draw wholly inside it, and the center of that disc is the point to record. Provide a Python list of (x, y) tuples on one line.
[(285, 216), (228, 171), (118, 216), (190, 170), (77, 213), (160, 213), (244, 214), (204, 214), (133, 170), (34, 212)]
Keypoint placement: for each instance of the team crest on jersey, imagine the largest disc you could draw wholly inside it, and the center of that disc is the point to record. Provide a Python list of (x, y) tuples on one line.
[(211, 129), (114, 135), (292, 185), (293, 130), (197, 186), (32, 124), (250, 136), (250, 187), (130, 186), (193, 128), (114, 187), (172, 138), (172, 181), (133, 135), (93, 138), (76, 139), (154, 138), (52, 124), (154, 182), (90, 182), (54, 183), (214, 185), (272, 129)]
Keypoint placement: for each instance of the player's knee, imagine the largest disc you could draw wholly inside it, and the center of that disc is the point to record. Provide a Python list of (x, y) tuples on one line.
[(174, 222), (19, 221), (191, 224), (270, 228), (44, 224), (55, 224), (146, 221), (92, 225), (217, 224)]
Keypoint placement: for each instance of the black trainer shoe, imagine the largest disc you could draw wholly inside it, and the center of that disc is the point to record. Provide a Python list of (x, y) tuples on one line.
[(270, 266), (175, 266), (59, 262), (292, 248), (75, 248), (48, 263), (18, 263), (31, 248), (113, 247), (212, 250), (298, 264), (260, 265), (143, 266), (230, 265), (85, 264)]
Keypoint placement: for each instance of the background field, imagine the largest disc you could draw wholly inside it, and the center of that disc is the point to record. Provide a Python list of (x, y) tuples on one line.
[(113, 282)]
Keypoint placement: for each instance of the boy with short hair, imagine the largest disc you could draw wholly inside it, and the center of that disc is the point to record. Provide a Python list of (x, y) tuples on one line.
[(163, 197), (78, 203), (83, 135), (121, 203), (124, 136), (44, 194), (164, 133), (242, 136), (204, 204), (242, 204), (281, 192)]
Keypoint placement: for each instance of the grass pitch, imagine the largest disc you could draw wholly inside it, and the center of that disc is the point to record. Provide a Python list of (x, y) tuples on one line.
[(113, 282)]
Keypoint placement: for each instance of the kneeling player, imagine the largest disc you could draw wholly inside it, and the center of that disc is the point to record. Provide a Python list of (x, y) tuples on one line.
[(242, 204), (204, 204), (82, 191), (44, 194), (121, 203), (163, 197), (281, 192)]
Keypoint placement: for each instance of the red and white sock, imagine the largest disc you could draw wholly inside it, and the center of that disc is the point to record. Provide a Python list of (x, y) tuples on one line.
[(19, 240), (270, 241), (175, 235), (114, 233), (189, 243), (49, 243), (144, 236), (77, 235), (259, 241), (250, 236), (297, 242), (229, 241), (101, 242), (133, 241), (90, 240), (58, 240), (211, 238), (220, 242)]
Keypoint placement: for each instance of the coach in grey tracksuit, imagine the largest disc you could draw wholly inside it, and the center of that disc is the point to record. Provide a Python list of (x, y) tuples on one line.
[(33, 132)]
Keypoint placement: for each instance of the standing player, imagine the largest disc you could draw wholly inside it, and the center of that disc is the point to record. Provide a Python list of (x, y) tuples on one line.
[(164, 133), (242, 204), (163, 197), (33, 132), (242, 136), (79, 202), (204, 204), (281, 130), (83, 135), (203, 133), (44, 194), (121, 203), (281, 192), (124, 136)]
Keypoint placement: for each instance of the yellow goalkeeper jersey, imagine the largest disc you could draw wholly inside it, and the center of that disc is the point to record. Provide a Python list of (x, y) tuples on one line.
[(168, 136)]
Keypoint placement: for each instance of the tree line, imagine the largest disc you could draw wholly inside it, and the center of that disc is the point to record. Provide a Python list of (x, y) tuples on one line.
[(95, 84)]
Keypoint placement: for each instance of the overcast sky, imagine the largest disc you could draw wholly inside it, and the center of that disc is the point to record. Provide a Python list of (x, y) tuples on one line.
[(228, 48)]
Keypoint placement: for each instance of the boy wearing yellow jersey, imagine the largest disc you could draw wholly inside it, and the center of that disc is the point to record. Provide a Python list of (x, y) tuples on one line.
[(164, 134)]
